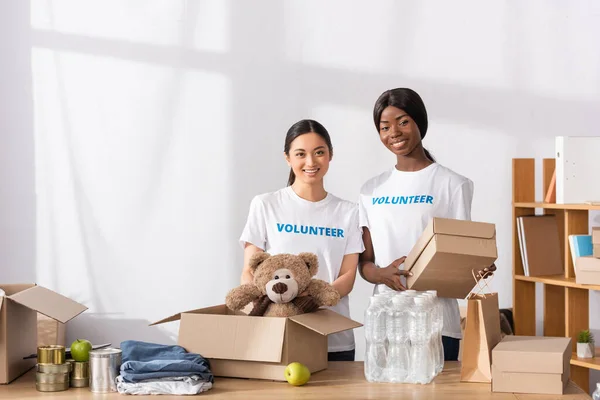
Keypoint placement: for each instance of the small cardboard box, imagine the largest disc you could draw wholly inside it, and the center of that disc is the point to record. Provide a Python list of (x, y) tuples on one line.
[(446, 254), (531, 364), (18, 324), (587, 270), (596, 241), (241, 346)]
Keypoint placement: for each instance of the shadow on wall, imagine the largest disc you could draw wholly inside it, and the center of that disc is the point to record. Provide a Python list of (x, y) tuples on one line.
[(17, 174), (109, 328)]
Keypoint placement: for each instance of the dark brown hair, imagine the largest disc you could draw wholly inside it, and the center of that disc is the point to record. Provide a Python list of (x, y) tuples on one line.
[(300, 128), (407, 100)]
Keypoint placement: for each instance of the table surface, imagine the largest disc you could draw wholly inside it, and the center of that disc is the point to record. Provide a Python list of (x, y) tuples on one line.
[(342, 380)]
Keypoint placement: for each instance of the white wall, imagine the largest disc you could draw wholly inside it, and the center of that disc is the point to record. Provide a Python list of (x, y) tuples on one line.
[(157, 121)]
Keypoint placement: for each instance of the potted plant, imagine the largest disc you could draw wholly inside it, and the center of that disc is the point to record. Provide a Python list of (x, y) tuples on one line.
[(585, 344)]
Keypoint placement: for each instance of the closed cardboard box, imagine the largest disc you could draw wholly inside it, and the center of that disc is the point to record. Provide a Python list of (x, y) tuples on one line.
[(447, 253), (241, 346), (587, 270), (18, 324), (531, 364)]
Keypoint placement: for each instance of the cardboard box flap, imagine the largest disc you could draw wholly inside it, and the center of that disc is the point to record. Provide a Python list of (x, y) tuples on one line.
[(325, 322), (15, 288), (174, 317), (219, 309), (542, 354), (49, 303), (233, 337)]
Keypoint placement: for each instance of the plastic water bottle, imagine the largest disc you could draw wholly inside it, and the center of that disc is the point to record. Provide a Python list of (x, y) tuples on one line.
[(596, 394), (438, 325), (398, 345), (419, 330), (375, 335)]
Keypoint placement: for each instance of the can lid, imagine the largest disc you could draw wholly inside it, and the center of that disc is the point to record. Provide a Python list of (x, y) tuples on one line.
[(106, 352)]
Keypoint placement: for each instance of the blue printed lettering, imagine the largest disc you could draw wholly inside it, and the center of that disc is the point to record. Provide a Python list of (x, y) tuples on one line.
[(310, 230), (414, 199)]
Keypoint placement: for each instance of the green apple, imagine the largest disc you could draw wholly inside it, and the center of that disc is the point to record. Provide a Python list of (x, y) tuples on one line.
[(80, 350), (297, 374)]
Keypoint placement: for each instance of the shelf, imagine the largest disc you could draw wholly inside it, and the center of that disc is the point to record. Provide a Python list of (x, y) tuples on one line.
[(558, 206), (591, 363), (556, 280)]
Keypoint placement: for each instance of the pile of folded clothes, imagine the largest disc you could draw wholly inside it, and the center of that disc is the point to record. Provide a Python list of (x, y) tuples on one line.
[(149, 368)]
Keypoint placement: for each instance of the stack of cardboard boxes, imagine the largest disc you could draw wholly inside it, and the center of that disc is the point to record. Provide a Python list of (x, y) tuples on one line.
[(587, 269), (531, 364)]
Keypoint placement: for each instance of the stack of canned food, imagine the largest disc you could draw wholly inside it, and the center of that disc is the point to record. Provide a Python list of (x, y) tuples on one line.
[(54, 373)]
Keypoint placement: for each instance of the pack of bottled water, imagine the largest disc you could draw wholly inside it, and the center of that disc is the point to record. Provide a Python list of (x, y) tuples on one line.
[(403, 333)]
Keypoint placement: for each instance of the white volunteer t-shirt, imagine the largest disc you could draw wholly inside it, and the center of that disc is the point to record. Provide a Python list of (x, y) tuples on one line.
[(396, 206), (283, 222)]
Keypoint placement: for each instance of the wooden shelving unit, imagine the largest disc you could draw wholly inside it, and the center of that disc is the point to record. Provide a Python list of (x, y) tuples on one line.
[(566, 303)]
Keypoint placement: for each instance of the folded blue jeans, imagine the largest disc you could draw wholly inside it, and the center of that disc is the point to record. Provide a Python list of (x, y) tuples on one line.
[(145, 361)]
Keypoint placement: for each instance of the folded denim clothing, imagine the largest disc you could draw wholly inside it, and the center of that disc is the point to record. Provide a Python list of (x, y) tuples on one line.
[(144, 361), (188, 385)]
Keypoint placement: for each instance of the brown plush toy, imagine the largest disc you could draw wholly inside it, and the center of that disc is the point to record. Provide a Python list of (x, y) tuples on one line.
[(278, 280)]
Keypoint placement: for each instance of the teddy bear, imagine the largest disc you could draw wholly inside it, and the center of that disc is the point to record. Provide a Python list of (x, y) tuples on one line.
[(278, 280)]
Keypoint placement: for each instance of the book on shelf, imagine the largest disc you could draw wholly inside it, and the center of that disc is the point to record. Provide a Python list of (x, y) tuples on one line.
[(581, 246), (540, 245)]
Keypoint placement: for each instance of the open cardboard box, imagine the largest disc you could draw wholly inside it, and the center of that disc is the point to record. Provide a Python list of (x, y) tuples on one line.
[(18, 324), (531, 364), (446, 254), (238, 345)]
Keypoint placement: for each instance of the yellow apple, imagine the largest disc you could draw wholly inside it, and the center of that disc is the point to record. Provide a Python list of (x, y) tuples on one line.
[(297, 374)]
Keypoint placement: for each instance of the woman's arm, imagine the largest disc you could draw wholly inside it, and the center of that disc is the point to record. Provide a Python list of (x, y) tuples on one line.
[(249, 251), (390, 275), (345, 280)]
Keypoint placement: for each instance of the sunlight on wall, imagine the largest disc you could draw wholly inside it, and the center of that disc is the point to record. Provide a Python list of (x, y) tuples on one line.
[(417, 40), (126, 155), (199, 25)]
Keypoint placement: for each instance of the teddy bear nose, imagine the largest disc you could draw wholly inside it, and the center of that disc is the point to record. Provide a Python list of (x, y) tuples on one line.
[(280, 288)]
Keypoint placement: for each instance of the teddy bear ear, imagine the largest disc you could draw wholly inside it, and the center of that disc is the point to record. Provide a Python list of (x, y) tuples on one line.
[(257, 259), (312, 262)]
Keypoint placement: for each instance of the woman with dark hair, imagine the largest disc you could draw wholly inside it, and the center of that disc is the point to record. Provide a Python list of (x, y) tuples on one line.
[(396, 206), (304, 217)]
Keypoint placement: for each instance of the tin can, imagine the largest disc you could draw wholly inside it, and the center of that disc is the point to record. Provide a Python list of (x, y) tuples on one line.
[(54, 368), (53, 354), (104, 369), (80, 375), (51, 382)]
